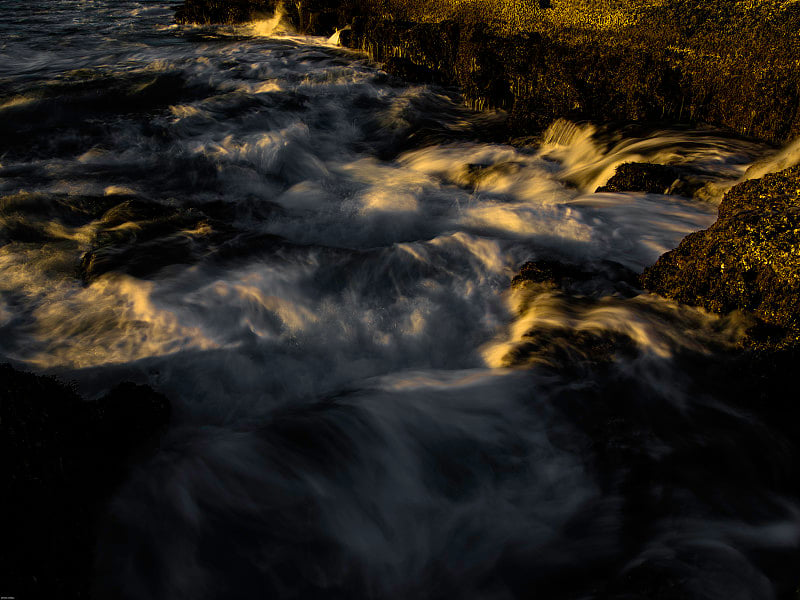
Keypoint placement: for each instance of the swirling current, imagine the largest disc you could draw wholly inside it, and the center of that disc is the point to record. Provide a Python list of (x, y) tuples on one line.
[(313, 261)]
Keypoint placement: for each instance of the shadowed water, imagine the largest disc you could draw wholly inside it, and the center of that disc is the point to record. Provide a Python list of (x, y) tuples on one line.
[(313, 261)]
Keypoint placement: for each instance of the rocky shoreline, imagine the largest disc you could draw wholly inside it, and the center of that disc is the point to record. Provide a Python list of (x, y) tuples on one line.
[(681, 61), (718, 63), (726, 64)]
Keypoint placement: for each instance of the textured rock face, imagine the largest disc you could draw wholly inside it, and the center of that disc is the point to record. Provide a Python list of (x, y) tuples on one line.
[(315, 17), (61, 459), (539, 77), (749, 259), (222, 11), (642, 177), (679, 60)]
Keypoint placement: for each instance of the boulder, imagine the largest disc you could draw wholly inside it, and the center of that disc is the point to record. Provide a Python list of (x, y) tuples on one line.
[(642, 177), (749, 260), (565, 275)]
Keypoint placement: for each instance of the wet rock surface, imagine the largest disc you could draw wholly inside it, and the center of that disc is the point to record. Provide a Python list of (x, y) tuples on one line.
[(564, 347), (315, 17), (568, 276), (642, 177), (222, 11), (749, 260), (694, 62), (61, 459)]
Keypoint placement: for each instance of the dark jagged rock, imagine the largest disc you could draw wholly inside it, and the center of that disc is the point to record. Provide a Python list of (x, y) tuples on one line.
[(223, 11), (314, 17), (749, 259), (565, 275), (631, 73), (684, 61), (642, 177), (420, 51), (61, 460), (158, 235)]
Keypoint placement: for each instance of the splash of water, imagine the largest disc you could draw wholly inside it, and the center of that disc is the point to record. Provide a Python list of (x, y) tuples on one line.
[(277, 24), (786, 157), (334, 40)]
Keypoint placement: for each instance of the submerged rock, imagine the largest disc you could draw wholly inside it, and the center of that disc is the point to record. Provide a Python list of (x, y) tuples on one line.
[(749, 259), (642, 177), (653, 178), (565, 276), (62, 459), (562, 346)]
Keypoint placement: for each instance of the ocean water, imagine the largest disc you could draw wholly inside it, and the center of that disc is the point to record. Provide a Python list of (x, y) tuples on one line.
[(313, 261)]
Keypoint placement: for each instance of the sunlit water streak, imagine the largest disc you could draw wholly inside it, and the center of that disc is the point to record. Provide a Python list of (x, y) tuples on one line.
[(313, 261)]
